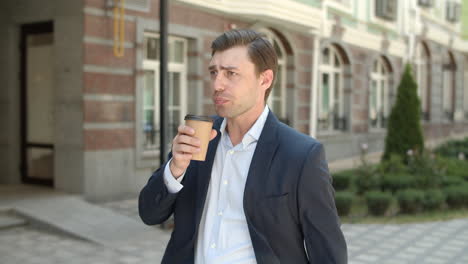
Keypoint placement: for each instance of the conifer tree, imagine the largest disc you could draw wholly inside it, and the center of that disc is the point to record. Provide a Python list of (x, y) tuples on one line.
[(404, 130)]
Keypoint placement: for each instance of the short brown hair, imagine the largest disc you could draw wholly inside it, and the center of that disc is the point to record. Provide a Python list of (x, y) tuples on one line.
[(260, 50)]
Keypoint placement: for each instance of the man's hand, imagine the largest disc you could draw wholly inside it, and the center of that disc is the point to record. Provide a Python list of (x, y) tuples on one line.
[(184, 146)]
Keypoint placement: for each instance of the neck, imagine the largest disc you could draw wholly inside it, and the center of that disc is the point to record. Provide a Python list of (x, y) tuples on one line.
[(238, 126)]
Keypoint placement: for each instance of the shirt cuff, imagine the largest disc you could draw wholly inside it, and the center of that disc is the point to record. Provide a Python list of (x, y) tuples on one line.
[(173, 185)]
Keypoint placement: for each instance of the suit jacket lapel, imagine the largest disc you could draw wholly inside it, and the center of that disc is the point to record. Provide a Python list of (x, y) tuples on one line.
[(261, 160)]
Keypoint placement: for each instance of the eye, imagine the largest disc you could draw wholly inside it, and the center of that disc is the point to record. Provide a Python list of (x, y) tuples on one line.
[(213, 73), (231, 73)]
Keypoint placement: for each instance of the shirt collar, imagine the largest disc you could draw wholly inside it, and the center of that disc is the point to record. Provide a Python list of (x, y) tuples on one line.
[(254, 132)]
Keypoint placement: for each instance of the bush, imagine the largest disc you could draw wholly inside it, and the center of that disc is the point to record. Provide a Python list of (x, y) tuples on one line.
[(410, 200), (452, 181), (404, 130), (343, 201), (455, 167), (342, 180), (457, 196), (433, 199), (366, 179), (452, 148), (396, 182), (378, 202)]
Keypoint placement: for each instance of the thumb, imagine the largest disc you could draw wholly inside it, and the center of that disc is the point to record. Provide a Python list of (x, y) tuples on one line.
[(214, 133)]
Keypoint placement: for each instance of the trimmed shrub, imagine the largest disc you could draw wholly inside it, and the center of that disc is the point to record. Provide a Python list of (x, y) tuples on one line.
[(367, 182), (457, 196), (396, 182), (342, 180), (452, 181), (343, 201), (433, 199), (378, 202), (455, 167), (410, 200), (404, 130), (453, 148)]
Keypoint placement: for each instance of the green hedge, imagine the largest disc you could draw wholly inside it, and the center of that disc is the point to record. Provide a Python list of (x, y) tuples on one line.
[(396, 182), (433, 199), (410, 200), (378, 202), (452, 181), (452, 148), (457, 196), (343, 201), (367, 182), (342, 180)]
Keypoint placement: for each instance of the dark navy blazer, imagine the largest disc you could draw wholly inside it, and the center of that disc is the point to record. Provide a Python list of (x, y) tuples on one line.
[(288, 200)]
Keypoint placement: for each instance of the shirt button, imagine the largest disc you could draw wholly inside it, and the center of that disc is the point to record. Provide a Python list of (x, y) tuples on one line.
[(225, 182), (231, 152), (220, 213), (213, 245)]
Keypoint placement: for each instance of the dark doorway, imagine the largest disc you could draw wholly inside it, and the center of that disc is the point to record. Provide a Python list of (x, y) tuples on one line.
[(37, 103)]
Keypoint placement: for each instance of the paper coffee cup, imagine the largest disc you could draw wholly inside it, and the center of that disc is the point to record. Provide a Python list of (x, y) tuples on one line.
[(202, 126)]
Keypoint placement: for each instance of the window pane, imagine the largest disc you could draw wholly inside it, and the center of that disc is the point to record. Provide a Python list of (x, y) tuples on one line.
[(152, 48), (150, 130), (279, 80), (277, 49), (373, 101), (337, 95), (325, 93), (277, 106), (337, 61), (174, 88), (326, 56), (174, 122), (382, 97), (148, 92), (178, 52)]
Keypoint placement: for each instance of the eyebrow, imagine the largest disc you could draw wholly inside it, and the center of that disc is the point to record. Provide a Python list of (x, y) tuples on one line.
[(213, 67)]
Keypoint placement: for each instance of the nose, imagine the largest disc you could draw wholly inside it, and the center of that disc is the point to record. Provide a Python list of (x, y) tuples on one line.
[(218, 83)]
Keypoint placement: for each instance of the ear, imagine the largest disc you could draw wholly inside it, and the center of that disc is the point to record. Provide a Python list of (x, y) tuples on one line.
[(266, 79)]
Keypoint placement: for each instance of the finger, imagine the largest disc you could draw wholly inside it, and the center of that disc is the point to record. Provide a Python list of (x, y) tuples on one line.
[(183, 148), (214, 133), (188, 140), (183, 129)]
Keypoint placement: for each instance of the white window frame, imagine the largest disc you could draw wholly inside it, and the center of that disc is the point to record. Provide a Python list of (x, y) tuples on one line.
[(382, 78), (331, 69), (422, 66), (181, 68)]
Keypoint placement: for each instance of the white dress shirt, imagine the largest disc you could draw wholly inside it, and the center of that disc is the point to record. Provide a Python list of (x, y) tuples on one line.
[(223, 236)]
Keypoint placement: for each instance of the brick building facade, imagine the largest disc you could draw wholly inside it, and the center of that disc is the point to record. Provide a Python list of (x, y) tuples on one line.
[(339, 69)]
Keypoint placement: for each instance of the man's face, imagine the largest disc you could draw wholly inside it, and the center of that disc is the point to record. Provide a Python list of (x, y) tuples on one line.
[(237, 89)]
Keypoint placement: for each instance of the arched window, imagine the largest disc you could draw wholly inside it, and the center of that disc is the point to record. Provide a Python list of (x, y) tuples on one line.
[(379, 94), (448, 94), (331, 116), (422, 72), (277, 99)]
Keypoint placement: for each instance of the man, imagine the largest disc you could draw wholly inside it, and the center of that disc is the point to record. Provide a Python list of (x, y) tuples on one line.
[(264, 193)]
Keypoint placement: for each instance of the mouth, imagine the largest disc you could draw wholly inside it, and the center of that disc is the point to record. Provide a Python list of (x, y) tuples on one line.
[(219, 101)]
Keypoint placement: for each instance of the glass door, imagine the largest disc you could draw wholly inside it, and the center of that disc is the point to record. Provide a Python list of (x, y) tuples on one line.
[(37, 103)]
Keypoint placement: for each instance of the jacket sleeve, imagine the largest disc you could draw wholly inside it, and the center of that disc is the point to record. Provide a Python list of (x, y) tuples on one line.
[(324, 240), (156, 203)]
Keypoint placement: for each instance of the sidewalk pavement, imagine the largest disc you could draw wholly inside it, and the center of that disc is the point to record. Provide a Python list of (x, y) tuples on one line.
[(28, 242)]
